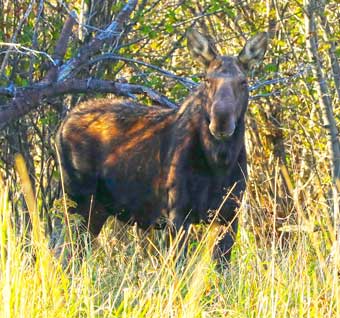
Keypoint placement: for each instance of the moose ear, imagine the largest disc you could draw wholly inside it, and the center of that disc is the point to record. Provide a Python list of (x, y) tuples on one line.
[(254, 50), (200, 47)]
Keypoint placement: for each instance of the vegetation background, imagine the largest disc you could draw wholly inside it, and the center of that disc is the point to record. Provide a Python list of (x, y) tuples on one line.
[(286, 261)]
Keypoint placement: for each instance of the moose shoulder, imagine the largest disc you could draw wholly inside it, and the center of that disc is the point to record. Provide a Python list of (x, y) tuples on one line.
[(142, 163)]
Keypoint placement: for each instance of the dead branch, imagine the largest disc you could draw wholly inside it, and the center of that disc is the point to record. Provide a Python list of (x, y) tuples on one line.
[(60, 49), (58, 79), (323, 90), (184, 81), (28, 96), (109, 35)]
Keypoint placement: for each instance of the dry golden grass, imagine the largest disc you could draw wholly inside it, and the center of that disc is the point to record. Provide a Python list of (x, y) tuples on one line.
[(267, 277)]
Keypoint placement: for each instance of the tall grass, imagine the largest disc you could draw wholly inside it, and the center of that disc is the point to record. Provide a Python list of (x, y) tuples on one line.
[(119, 278)]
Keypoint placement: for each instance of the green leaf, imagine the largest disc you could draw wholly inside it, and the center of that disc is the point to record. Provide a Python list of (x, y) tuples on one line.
[(146, 29), (337, 52), (169, 28), (271, 67)]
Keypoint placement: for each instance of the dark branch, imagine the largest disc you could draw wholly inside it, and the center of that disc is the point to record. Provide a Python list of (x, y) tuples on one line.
[(109, 35), (60, 48), (108, 56), (7, 91), (29, 98), (58, 79)]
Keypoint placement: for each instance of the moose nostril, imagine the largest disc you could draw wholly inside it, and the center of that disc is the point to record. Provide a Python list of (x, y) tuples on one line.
[(228, 134), (230, 131)]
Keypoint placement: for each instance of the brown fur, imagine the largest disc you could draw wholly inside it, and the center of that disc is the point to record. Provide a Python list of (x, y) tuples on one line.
[(143, 164)]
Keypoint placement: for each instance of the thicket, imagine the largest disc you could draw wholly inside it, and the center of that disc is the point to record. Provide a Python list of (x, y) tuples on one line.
[(54, 54)]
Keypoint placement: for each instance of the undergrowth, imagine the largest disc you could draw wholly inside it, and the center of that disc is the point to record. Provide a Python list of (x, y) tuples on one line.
[(120, 276)]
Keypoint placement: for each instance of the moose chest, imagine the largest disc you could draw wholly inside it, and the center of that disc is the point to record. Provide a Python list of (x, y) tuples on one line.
[(201, 174)]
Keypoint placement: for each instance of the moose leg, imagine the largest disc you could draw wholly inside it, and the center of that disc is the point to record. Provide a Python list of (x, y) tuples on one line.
[(178, 230), (177, 223), (228, 212), (178, 234), (177, 218), (222, 250), (96, 219), (94, 216)]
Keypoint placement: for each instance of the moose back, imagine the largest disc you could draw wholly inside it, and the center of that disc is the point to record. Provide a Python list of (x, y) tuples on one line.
[(143, 164)]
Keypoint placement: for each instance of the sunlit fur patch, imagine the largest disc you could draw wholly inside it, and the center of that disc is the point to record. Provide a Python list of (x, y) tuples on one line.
[(105, 121), (138, 127), (130, 144), (102, 130)]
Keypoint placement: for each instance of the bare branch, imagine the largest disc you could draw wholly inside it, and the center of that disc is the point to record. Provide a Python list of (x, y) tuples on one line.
[(60, 48), (301, 70), (6, 91), (110, 34), (14, 37), (332, 49), (24, 50), (29, 98), (184, 81)]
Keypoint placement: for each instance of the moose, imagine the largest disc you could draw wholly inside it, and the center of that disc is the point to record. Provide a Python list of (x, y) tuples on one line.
[(145, 164)]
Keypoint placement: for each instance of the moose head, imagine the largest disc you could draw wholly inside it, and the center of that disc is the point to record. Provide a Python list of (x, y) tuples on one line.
[(226, 80)]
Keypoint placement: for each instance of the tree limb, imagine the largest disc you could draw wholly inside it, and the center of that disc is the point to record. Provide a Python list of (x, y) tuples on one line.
[(60, 48), (58, 79), (323, 89), (110, 34), (28, 98)]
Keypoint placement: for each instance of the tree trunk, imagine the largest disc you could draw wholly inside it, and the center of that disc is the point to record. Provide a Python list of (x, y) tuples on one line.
[(322, 88)]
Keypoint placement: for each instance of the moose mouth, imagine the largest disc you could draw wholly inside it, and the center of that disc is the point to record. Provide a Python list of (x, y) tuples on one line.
[(222, 135)]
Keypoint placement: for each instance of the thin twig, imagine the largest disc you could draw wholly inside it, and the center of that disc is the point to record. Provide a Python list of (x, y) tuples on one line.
[(24, 50), (111, 33), (14, 37), (185, 81)]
